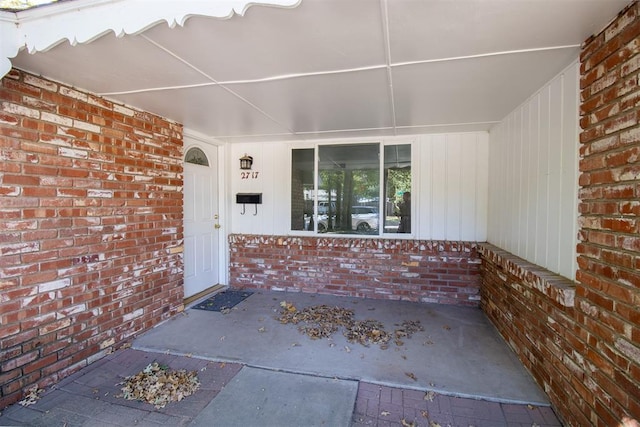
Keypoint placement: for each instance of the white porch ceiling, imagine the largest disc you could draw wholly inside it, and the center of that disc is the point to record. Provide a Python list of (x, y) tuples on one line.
[(334, 68)]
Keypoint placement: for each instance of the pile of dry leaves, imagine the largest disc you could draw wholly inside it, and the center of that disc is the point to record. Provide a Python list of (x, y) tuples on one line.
[(321, 321), (32, 396), (157, 385)]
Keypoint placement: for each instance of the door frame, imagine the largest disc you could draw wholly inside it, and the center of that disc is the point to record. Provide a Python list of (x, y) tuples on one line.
[(195, 139)]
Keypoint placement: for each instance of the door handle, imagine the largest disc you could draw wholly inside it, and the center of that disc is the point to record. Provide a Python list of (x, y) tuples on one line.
[(217, 226)]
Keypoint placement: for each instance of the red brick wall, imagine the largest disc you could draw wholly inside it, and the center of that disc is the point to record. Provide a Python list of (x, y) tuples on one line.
[(428, 271), (533, 309), (608, 294), (90, 228), (587, 357)]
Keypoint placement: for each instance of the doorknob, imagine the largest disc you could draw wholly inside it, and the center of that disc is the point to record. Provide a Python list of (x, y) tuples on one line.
[(217, 226)]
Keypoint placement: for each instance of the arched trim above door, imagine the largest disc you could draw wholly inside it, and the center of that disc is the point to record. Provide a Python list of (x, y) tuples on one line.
[(196, 156)]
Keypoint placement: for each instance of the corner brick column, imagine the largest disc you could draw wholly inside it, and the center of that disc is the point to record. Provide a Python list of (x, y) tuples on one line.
[(607, 349)]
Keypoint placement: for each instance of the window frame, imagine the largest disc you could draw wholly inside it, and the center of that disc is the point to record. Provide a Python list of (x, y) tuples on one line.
[(381, 199)]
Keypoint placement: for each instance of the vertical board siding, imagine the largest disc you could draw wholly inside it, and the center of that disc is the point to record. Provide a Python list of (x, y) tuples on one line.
[(569, 173), (533, 177), (435, 176), (450, 187), (452, 170), (555, 177)]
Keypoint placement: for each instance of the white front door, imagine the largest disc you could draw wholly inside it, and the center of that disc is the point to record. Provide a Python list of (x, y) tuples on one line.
[(201, 237)]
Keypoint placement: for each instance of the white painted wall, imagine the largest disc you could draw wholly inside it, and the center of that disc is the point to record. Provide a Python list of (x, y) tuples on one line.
[(533, 177), (451, 184), (450, 178), (272, 163)]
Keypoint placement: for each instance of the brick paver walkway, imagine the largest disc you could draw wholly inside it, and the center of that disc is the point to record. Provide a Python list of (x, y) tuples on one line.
[(90, 398), (387, 406)]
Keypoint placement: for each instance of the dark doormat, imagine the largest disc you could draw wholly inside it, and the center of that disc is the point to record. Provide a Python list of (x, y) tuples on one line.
[(223, 301)]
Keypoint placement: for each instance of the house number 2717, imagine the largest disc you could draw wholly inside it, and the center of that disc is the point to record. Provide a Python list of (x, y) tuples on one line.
[(249, 175)]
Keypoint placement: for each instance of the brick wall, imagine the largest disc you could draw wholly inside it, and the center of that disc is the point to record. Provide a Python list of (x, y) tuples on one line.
[(428, 271), (533, 309), (608, 295), (587, 356), (90, 228)]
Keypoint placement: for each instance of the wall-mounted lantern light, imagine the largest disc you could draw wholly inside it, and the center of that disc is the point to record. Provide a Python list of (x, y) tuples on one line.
[(246, 162)]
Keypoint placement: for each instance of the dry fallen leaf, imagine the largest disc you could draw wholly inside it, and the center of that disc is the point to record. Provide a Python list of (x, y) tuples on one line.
[(446, 327), (262, 329), (405, 423), (425, 414), (434, 424), (411, 375), (32, 396), (429, 396), (385, 413)]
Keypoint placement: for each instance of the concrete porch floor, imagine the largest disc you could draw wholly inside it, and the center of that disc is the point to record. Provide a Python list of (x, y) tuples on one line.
[(256, 371)]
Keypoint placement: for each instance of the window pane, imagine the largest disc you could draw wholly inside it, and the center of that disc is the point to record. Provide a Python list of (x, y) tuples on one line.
[(196, 156), (349, 188), (302, 189), (397, 185)]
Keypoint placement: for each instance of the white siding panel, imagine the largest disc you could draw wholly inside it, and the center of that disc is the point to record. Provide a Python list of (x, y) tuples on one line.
[(454, 192), (421, 185), (452, 175), (482, 188), (437, 178), (513, 194), (542, 179), (569, 174), (555, 169), (533, 177), (468, 189)]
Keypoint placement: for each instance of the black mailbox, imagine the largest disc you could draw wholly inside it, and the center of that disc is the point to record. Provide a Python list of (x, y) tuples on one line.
[(249, 198)]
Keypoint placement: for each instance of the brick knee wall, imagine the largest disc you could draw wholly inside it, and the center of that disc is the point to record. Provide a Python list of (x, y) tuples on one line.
[(427, 271), (90, 228), (533, 310)]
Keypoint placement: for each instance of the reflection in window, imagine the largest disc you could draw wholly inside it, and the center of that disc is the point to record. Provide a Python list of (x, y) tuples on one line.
[(349, 188), (348, 198), (302, 166), (196, 156), (397, 188)]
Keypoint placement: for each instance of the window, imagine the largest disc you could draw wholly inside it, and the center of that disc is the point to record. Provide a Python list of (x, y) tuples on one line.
[(196, 156), (340, 192)]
